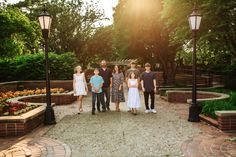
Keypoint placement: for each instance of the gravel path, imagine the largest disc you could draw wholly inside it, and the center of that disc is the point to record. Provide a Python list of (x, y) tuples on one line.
[(122, 134)]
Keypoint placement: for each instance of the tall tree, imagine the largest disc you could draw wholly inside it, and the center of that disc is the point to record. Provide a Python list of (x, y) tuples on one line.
[(18, 34), (217, 35), (141, 33)]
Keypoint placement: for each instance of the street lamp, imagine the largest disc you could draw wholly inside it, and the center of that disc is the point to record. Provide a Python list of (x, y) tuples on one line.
[(194, 22), (45, 23)]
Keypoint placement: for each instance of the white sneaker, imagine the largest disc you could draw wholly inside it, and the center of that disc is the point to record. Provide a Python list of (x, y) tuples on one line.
[(153, 111), (147, 111)]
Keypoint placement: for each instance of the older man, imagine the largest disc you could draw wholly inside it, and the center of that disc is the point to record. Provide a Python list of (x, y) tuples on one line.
[(106, 74)]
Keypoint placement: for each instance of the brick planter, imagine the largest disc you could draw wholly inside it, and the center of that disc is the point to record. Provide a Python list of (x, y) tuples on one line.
[(227, 120), (20, 125), (57, 99), (186, 96)]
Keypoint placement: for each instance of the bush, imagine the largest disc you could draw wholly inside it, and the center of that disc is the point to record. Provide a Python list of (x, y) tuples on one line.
[(209, 107), (32, 67)]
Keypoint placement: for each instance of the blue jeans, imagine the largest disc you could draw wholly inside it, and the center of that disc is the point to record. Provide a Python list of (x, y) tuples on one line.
[(95, 97)]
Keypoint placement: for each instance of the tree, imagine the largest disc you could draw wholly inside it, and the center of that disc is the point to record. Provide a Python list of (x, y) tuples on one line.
[(217, 35), (73, 25), (101, 45), (141, 32), (18, 34)]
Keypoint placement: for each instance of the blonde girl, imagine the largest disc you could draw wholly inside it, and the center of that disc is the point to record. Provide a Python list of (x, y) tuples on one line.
[(79, 86)]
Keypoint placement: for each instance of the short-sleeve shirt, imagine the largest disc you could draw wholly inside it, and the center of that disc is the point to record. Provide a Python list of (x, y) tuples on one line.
[(147, 78), (106, 75), (136, 72), (96, 81)]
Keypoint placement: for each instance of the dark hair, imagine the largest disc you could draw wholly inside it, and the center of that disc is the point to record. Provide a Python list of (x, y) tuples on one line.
[(134, 75), (119, 69), (147, 65)]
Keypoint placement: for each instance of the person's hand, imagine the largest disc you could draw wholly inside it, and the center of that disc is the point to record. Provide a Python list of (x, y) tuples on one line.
[(155, 90), (120, 88), (110, 85), (143, 89), (86, 90)]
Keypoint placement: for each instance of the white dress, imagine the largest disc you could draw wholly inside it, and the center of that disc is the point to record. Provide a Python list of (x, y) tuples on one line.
[(133, 95), (79, 85)]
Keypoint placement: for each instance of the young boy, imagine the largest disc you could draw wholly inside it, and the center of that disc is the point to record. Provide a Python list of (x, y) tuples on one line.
[(96, 83), (148, 82)]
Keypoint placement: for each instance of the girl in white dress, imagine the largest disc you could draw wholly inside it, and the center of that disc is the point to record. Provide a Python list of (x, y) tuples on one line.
[(133, 94), (79, 86)]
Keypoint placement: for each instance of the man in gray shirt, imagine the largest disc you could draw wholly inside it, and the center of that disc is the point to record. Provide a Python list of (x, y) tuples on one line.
[(132, 69)]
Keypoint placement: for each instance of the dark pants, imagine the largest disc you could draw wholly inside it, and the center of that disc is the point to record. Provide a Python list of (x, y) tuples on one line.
[(146, 98), (95, 97), (105, 93)]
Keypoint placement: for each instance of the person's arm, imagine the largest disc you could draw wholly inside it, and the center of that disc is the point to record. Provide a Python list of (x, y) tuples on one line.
[(100, 86), (121, 81), (74, 82), (129, 85), (110, 78), (154, 83)]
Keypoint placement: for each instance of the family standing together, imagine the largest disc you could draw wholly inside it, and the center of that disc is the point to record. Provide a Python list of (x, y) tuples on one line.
[(106, 83)]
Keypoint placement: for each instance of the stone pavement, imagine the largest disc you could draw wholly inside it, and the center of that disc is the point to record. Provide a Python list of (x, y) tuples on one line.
[(166, 133)]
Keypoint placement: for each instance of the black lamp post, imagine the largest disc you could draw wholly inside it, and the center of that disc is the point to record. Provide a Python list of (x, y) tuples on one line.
[(45, 23), (194, 110)]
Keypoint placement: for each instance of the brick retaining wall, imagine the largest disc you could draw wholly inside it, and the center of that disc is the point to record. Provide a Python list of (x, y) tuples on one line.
[(20, 85), (58, 99), (20, 125), (227, 120)]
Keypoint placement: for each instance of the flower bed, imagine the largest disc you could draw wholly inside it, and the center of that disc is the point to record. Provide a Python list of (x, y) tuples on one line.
[(10, 94), (14, 109)]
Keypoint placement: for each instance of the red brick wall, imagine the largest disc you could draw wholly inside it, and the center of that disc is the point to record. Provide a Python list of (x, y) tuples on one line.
[(182, 97), (227, 123), (19, 85), (20, 128), (57, 99)]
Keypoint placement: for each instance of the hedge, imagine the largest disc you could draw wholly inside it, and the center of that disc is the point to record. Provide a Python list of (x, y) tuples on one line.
[(32, 67)]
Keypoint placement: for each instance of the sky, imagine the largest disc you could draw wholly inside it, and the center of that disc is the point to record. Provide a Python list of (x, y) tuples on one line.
[(106, 5)]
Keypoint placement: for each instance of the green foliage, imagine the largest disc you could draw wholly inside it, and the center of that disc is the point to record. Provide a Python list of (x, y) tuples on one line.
[(216, 37), (32, 67), (209, 107), (141, 32), (18, 34)]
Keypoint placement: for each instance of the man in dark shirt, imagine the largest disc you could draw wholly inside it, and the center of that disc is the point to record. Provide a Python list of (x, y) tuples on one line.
[(148, 82), (106, 74)]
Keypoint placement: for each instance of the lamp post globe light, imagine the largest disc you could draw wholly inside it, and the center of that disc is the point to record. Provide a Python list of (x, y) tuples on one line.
[(194, 22), (45, 23)]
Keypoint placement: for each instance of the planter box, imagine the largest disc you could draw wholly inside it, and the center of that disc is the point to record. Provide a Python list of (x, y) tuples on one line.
[(227, 120), (20, 125)]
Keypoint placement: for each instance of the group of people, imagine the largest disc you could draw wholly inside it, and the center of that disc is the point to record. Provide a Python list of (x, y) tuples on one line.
[(106, 83)]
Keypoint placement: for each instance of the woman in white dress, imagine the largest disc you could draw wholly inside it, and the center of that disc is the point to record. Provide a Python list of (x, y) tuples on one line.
[(79, 86), (133, 94)]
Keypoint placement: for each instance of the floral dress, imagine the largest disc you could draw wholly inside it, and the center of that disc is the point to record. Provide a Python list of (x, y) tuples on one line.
[(116, 94)]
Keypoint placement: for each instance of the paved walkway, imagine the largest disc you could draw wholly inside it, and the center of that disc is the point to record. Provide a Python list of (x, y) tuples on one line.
[(166, 133)]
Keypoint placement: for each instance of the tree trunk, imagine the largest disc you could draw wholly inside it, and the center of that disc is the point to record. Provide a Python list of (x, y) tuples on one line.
[(169, 71)]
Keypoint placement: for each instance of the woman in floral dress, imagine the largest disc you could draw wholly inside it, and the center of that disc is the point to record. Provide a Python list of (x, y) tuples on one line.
[(117, 93)]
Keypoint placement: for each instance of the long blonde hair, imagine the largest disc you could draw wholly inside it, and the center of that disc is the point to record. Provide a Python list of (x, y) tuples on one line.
[(77, 67)]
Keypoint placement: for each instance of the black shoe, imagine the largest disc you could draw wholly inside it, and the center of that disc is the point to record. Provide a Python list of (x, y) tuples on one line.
[(108, 108), (99, 110), (93, 113), (103, 110)]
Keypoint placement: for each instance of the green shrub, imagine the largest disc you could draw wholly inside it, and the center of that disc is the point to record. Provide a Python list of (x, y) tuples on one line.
[(209, 107), (32, 67)]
